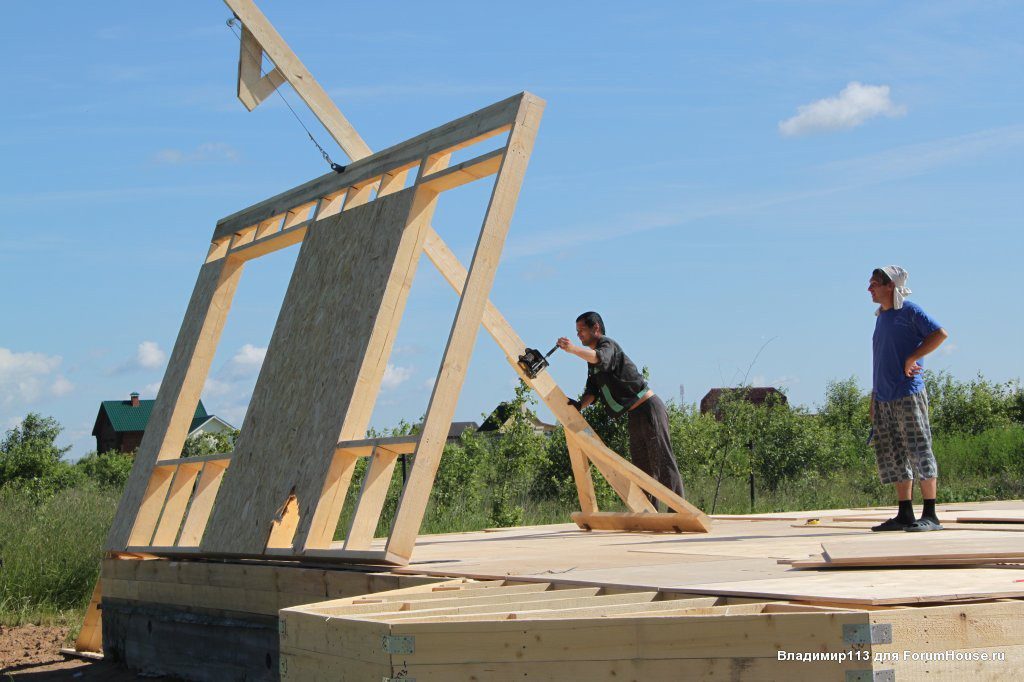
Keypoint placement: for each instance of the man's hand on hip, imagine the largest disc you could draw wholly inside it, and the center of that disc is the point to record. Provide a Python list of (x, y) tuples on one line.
[(911, 368)]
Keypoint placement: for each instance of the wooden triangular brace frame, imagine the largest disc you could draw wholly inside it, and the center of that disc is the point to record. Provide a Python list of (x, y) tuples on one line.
[(362, 232)]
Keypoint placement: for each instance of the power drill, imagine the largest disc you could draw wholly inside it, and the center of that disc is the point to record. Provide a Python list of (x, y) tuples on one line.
[(532, 362)]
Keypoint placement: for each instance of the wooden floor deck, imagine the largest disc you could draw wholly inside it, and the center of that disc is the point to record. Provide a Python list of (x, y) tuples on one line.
[(739, 557)]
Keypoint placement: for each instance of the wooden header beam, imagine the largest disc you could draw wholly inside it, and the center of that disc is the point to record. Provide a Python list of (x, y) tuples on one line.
[(487, 122)]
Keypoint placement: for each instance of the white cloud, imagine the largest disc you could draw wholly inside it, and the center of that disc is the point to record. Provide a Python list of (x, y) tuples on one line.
[(855, 104), (395, 376), (61, 386), (24, 376), (244, 364), (250, 356), (151, 389), (150, 355), (948, 348), (206, 152)]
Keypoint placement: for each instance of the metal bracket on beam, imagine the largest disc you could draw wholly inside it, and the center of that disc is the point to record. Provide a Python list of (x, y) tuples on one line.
[(398, 644), (887, 675), (865, 633)]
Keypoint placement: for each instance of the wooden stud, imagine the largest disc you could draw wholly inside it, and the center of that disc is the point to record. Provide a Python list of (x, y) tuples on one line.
[(149, 509), (177, 500), (202, 503), (332, 498), (371, 500), (357, 196), (331, 204)]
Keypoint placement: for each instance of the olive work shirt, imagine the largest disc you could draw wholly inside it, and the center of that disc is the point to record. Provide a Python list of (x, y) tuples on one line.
[(614, 378)]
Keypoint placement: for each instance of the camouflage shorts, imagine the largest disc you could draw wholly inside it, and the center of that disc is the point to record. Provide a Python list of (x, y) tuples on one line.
[(903, 439)]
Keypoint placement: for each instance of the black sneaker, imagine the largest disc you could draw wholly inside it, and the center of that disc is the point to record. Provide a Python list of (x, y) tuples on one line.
[(923, 525), (892, 524)]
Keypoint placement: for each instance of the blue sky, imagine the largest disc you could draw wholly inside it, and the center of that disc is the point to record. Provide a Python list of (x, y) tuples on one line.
[(711, 177)]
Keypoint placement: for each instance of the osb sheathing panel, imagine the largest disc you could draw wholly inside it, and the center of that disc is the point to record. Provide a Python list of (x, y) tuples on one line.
[(307, 382)]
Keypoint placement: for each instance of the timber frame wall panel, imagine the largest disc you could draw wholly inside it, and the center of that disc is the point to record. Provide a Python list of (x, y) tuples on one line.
[(281, 491)]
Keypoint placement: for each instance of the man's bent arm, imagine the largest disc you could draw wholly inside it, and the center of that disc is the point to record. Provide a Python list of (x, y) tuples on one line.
[(930, 343)]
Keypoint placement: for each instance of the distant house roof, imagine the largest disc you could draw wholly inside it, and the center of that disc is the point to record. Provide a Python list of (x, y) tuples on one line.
[(457, 429), (124, 417), (503, 412), (756, 395)]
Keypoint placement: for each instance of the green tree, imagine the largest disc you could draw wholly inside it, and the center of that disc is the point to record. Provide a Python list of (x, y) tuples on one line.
[(109, 469), (202, 444), (517, 455), (30, 458)]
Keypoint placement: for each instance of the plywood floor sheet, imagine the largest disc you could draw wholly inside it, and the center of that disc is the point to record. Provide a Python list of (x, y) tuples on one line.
[(739, 557)]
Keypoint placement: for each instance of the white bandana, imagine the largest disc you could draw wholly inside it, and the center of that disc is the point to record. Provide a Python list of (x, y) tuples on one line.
[(900, 290)]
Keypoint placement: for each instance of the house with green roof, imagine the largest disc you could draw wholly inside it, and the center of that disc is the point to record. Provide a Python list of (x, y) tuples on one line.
[(121, 423)]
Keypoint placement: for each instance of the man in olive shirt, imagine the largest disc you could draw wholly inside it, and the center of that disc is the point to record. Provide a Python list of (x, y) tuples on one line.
[(612, 377)]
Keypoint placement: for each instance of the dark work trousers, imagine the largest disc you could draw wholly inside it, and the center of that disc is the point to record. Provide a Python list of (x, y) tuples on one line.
[(650, 446)]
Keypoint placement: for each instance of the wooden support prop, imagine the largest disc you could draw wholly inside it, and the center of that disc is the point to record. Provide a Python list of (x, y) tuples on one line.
[(664, 523), (545, 387), (90, 637), (288, 67), (253, 85)]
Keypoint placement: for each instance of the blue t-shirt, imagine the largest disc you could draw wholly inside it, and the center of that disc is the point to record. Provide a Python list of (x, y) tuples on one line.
[(898, 333)]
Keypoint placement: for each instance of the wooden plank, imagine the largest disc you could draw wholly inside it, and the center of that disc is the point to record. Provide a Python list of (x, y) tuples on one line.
[(224, 458), (601, 639), (300, 78), (991, 516), (90, 636), (626, 521), (489, 121), (179, 391), (944, 545), (399, 445), (177, 500), (306, 385), (371, 500), (253, 86), (468, 317), (904, 586)]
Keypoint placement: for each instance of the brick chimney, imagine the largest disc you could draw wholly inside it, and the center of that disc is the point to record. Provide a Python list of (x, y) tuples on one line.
[(135, 399)]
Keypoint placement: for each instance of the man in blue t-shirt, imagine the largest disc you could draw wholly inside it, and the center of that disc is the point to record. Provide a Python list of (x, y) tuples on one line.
[(902, 435)]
